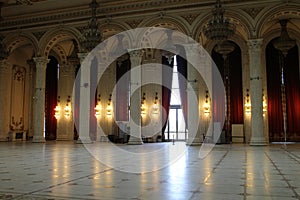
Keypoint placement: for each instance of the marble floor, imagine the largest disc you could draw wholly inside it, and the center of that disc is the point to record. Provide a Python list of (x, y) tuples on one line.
[(65, 170)]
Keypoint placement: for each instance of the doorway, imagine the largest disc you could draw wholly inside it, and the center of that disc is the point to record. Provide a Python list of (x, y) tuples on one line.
[(176, 129)]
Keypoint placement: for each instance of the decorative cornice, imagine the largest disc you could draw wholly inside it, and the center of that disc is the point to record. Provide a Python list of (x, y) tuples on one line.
[(114, 9)]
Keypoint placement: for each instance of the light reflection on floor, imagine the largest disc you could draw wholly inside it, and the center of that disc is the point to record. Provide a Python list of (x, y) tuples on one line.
[(62, 170)]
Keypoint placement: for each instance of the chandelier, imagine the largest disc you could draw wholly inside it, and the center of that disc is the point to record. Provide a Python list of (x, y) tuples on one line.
[(91, 34), (284, 43), (219, 28)]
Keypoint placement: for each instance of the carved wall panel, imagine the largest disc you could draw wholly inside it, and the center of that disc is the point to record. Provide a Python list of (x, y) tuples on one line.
[(18, 97)]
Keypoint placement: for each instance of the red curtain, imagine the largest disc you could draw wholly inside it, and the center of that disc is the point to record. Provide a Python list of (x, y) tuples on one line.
[(51, 99), (236, 90), (122, 90), (167, 75), (274, 94), (293, 94), (182, 78), (235, 87)]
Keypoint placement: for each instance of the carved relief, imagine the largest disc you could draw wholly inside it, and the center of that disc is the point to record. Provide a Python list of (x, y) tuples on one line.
[(253, 12), (134, 23), (18, 97), (190, 18)]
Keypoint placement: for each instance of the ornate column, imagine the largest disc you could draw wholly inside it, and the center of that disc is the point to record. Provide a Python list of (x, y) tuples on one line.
[(257, 127), (39, 99), (65, 124), (84, 100), (135, 98), (5, 71), (32, 77), (194, 138)]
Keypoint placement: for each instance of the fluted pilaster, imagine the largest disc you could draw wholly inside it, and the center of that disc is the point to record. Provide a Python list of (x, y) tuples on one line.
[(5, 71), (65, 125)]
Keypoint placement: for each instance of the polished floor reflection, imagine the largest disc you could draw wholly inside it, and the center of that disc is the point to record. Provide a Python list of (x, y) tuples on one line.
[(60, 170)]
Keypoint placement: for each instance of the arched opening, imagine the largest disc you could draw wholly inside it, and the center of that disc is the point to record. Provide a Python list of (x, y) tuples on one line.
[(230, 68), (281, 102), (52, 76)]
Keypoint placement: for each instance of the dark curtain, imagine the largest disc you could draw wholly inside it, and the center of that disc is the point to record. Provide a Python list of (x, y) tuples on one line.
[(93, 98), (51, 99), (274, 94), (182, 78), (167, 75), (217, 58), (122, 90), (293, 94), (235, 89)]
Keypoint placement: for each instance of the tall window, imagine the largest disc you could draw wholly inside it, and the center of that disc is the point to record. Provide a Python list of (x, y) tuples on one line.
[(176, 126)]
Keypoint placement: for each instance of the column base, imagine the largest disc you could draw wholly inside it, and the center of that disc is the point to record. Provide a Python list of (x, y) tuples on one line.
[(38, 140), (258, 142), (195, 142), (135, 141), (84, 141)]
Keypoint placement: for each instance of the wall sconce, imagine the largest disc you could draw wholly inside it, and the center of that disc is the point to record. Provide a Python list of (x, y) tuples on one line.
[(68, 108), (98, 107), (143, 106), (109, 107), (247, 103), (155, 105), (206, 105), (265, 105), (57, 109)]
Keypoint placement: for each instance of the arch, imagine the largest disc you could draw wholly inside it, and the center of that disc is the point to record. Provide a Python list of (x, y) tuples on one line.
[(60, 52), (17, 40), (53, 36), (113, 28), (273, 14)]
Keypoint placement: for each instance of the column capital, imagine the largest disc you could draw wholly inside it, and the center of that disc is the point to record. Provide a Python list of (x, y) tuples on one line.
[(135, 53), (255, 44), (135, 56), (41, 61), (82, 56)]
